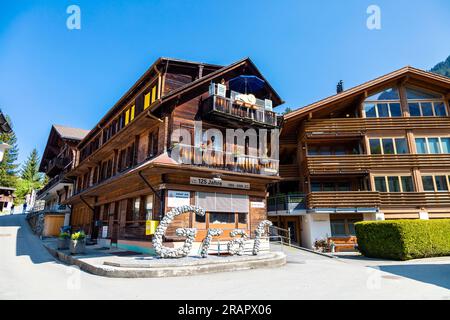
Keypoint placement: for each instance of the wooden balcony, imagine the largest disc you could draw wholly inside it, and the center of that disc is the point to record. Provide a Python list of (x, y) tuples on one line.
[(354, 199), (360, 164), (351, 127), (240, 163), (289, 171), (372, 199), (57, 165), (230, 110)]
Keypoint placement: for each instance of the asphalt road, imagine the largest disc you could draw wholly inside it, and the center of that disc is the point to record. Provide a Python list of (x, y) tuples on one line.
[(28, 271)]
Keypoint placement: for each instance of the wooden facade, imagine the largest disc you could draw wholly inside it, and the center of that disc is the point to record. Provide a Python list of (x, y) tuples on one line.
[(376, 151), (125, 173)]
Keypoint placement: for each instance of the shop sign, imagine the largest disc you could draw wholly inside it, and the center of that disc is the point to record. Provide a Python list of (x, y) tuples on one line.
[(178, 198), (220, 183)]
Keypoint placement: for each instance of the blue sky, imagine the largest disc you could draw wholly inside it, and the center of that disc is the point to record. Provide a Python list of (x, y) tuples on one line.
[(52, 75)]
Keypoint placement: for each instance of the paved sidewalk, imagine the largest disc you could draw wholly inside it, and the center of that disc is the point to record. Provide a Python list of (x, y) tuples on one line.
[(28, 271)]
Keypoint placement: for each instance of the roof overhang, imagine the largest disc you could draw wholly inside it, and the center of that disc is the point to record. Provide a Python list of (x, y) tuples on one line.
[(407, 74)]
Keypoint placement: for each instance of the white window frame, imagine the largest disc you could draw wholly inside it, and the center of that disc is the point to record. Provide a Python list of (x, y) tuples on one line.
[(388, 102), (399, 181), (427, 145), (433, 175), (394, 143)]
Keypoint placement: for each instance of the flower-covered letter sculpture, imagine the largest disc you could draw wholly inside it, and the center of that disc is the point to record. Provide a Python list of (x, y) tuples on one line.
[(236, 246), (207, 241), (259, 232), (190, 233)]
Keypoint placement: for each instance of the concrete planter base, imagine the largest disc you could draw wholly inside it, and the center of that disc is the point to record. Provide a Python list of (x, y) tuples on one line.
[(77, 246)]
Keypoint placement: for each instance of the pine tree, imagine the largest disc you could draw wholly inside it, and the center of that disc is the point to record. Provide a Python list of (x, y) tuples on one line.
[(8, 167), (30, 171)]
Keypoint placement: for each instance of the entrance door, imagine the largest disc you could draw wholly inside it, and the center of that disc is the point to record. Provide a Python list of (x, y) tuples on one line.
[(293, 223), (96, 223)]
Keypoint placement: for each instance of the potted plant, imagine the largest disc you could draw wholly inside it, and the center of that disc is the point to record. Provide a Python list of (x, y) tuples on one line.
[(321, 245), (78, 243), (332, 246), (63, 241)]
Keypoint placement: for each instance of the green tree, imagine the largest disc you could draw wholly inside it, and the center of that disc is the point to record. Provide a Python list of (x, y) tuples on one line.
[(8, 167), (442, 68)]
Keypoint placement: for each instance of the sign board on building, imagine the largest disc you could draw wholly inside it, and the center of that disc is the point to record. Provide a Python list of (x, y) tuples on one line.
[(105, 232), (220, 183), (258, 204), (178, 198)]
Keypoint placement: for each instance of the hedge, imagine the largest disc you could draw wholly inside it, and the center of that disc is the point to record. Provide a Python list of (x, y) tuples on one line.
[(404, 239)]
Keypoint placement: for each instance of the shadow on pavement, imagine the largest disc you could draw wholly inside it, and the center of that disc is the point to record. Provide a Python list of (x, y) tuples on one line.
[(27, 243), (436, 274)]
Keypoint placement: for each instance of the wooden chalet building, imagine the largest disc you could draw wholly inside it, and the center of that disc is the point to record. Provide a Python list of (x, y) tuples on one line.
[(57, 159), (380, 150), (125, 173)]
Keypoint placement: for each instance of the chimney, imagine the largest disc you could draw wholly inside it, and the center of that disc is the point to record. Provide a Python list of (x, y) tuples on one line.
[(340, 87)]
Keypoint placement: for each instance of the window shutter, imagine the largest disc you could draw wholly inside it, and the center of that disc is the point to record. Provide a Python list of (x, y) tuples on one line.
[(239, 203)]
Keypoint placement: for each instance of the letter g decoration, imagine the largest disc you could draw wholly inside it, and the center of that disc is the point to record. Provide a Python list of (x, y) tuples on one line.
[(190, 233)]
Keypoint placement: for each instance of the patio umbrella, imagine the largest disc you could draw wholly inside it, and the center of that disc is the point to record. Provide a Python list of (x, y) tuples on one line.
[(246, 84)]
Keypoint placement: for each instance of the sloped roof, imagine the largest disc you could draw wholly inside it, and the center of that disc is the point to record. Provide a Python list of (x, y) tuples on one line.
[(406, 71), (70, 133)]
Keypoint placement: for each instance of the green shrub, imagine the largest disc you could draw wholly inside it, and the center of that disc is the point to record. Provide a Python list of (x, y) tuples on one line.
[(404, 239), (64, 235)]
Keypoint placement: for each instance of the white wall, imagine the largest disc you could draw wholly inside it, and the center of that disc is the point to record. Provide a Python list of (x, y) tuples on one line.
[(315, 227)]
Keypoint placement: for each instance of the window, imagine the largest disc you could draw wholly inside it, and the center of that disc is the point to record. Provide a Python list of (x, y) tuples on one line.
[(425, 104), (338, 228), (343, 227), (407, 184), (394, 184), (375, 146), (221, 218), (149, 207), (384, 104), (200, 219), (242, 218), (388, 146), (421, 146), (136, 208), (330, 186), (383, 110), (433, 145), (441, 183), (428, 184), (445, 142), (401, 146), (380, 184), (437, 183)]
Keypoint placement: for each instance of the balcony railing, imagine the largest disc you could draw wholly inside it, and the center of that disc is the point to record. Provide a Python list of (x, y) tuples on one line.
[(362, 163), (227, 107), (216, 159), (358, 126), (286, 204), (52, 182), (57, 164)]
